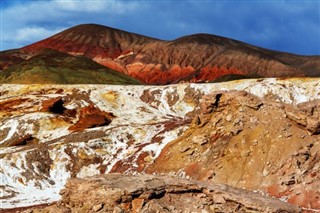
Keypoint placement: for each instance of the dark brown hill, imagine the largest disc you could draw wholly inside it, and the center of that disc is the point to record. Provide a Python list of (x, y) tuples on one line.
[(54, 67), (193, 58)]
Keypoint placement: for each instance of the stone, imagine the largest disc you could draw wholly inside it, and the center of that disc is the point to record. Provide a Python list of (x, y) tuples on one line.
[(97, 207), (137, 205), (218, 198), (184, 149), (229, 117), (313, 125)]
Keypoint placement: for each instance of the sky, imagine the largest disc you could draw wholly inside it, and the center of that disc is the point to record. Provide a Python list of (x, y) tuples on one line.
[(283, 25)]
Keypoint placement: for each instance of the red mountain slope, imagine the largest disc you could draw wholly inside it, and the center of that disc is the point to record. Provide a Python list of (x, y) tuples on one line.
[(194, 58)]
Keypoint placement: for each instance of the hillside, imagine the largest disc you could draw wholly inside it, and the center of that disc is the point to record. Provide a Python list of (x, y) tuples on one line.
[(53, 67), (244, 141), (192, 58)]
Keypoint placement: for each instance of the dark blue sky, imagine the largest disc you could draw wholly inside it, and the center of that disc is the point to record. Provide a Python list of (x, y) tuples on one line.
[(290, 26)]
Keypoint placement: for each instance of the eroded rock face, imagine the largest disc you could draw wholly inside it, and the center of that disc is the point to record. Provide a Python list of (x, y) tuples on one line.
[(244, 141), (51, 114), (40, 150), (70, 125), (148, 193)]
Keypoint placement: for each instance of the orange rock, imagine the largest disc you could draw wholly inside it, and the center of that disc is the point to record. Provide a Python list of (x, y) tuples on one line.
[(307, 198), (90, 117), (54, 105), (137, 205)]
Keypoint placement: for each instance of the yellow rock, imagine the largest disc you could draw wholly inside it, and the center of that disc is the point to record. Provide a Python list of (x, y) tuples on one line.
[(111, 97)]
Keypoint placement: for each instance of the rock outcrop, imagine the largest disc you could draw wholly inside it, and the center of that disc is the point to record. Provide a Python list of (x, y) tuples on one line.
[(148, 193), (193, 58), (244, 141), (263, 139)]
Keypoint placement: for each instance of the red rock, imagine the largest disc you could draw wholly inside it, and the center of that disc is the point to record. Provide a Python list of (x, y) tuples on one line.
[(137, 205), (308, 198), (90, 117)]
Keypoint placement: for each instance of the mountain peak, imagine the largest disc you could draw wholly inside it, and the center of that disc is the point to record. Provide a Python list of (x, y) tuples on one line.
[(208, 39), (90, 39), (97, 31)]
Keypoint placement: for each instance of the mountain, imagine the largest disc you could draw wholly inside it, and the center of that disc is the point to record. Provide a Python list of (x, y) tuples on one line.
[(193, 58)]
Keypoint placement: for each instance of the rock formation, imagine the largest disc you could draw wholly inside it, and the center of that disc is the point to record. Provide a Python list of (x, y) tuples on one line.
[(258, 144), (147, 193), (261, 135)]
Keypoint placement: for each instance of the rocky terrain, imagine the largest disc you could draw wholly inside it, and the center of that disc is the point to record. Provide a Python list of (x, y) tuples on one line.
[(260, 135), (147, 193), (192, 58), (244, 141)]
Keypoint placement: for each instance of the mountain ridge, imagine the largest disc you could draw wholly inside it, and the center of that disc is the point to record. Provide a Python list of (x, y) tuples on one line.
[(192, 58)]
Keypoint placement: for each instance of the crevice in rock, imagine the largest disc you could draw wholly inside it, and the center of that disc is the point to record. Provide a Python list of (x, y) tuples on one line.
[(57, 107), (25, 140), (157, 195), (217, 100)]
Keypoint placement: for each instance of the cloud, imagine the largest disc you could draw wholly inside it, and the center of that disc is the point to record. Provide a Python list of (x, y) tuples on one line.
[(95, 6), (27, 35), (26, 22), (80, 6), (278, 25), (34, 33)]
